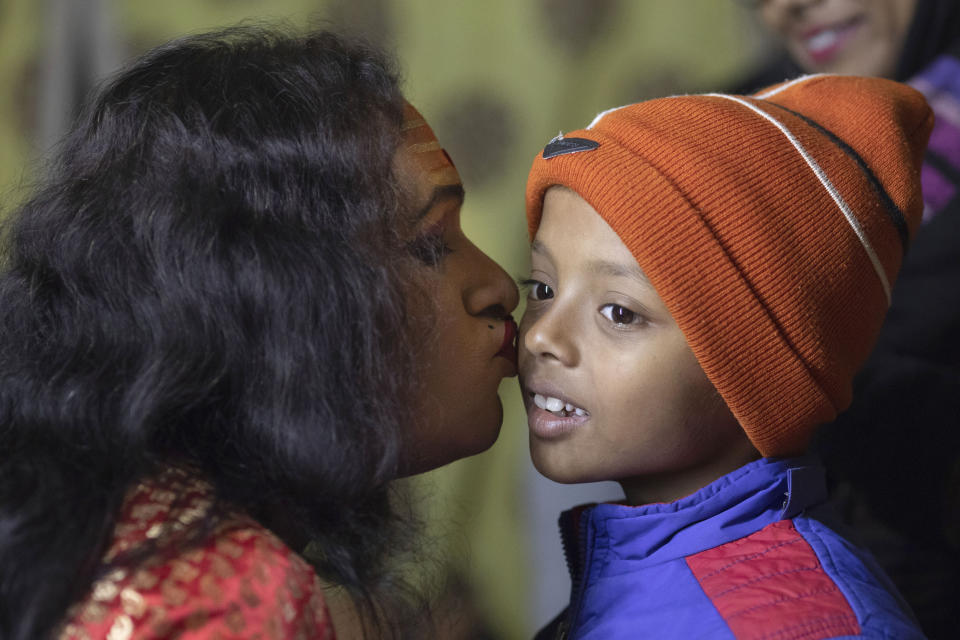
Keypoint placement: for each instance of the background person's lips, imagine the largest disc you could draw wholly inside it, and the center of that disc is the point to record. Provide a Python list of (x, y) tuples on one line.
[(824, 43)]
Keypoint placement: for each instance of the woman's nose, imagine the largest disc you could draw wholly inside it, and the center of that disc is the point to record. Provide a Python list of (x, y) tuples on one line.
[(489, 290)]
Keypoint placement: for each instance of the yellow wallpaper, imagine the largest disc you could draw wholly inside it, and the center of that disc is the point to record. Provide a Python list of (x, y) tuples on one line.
[(20, 37)]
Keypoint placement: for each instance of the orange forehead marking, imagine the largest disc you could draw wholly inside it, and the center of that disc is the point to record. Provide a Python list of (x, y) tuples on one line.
[(422, 144)]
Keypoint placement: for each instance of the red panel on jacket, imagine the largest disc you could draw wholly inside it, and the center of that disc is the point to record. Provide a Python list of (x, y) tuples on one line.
[(771, 585)]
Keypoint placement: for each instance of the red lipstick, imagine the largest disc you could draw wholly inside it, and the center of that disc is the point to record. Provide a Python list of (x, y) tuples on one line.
[(508, 348)]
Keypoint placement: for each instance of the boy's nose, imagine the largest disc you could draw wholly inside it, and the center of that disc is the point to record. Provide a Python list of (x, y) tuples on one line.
[(489, 290), (547, 335)]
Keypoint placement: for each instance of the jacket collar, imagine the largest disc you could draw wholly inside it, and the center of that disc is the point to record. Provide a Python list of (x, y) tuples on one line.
[(733, 506)]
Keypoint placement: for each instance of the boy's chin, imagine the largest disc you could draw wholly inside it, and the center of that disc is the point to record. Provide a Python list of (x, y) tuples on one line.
[(562, 473)]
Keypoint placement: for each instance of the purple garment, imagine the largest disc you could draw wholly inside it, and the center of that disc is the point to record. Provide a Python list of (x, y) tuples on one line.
[(940, 83)]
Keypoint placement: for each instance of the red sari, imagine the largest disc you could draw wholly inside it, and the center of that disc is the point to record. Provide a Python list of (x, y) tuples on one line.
[(240, 582)]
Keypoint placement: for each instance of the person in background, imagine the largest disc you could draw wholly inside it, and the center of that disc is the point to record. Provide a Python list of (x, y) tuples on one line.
[(239, 304), (896, 451)]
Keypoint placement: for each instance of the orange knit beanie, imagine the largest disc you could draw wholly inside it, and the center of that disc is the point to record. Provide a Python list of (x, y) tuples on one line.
[(772, 226)]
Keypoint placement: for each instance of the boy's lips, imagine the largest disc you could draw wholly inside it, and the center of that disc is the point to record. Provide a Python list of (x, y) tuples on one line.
[(550, 412)]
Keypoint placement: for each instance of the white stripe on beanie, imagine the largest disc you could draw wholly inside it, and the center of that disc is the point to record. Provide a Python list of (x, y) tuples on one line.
[(824, 180), (786, 85), (600, 115)]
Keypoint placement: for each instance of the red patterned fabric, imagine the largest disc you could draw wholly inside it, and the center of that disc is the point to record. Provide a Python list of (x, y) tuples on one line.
[(780, 589), (241, 582)]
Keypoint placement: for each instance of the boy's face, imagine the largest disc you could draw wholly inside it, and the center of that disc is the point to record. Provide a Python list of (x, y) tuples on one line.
[(612, 390)]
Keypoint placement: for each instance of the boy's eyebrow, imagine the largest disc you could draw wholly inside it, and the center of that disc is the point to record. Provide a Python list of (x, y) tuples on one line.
[(603, 267), (445, 192), (537, 247), (618, 270)]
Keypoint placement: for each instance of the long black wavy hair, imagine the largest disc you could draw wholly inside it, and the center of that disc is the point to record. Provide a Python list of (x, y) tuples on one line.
[(211, 272)]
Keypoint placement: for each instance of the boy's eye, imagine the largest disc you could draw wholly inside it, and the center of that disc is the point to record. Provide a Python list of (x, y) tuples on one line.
[(538, 290), (430, 249), (620, 315)]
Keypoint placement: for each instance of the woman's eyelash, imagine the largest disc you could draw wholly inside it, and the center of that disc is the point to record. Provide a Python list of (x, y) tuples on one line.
[(430, 249)]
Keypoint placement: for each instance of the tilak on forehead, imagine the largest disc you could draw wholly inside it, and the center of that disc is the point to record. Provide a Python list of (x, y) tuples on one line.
[(423, 146)]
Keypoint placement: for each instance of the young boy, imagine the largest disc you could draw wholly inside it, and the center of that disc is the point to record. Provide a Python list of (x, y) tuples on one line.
[(708, 272)]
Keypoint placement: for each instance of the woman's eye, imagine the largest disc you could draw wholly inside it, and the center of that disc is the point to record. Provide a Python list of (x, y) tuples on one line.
[(538, 290), (619, 315), (430, 249)]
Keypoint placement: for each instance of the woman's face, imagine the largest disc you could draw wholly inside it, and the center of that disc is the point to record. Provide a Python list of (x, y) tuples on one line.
[(470, 344), (857, 37)]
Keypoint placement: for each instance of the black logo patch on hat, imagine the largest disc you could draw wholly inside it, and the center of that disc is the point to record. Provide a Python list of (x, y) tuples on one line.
[(560, 146)]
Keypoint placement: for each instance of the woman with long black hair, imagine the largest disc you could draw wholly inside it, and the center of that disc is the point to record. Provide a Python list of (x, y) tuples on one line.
[(238, 305)]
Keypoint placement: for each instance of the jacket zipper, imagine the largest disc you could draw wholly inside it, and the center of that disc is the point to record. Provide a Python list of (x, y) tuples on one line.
[(578, 574)]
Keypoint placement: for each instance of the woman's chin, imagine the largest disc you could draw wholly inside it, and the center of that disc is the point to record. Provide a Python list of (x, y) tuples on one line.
[(436, 454)]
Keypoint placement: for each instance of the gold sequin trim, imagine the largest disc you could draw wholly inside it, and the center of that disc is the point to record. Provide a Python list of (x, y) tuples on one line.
[(121, 629), (105, 591), (132, 602)]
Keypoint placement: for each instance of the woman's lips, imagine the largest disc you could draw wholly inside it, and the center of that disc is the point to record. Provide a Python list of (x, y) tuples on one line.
[(508, 348), (824, 44)]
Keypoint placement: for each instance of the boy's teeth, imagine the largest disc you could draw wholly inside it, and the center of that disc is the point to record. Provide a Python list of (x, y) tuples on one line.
[(557, 406), (554, 404)]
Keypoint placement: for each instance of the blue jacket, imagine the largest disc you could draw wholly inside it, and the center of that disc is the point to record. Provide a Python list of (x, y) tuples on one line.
[(748, 556)]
